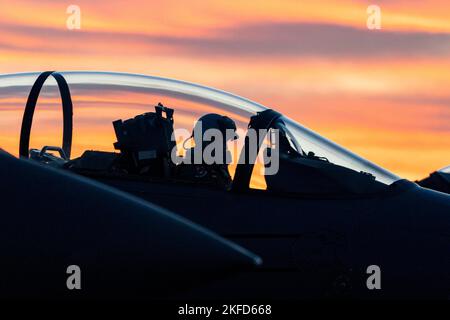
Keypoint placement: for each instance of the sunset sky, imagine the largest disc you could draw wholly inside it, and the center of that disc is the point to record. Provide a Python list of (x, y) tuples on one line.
[(384, 94)]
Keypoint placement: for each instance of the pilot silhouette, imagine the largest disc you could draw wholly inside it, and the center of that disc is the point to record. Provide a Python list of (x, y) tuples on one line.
[(195, 167)]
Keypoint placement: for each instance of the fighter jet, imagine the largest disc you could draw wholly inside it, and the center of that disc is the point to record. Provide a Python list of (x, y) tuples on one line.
[(327, 223), (438, 180)]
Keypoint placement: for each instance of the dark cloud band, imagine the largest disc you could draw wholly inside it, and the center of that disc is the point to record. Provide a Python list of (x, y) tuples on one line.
[(265, 39)]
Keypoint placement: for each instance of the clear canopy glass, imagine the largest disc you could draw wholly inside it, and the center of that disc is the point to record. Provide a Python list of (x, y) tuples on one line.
[(102, 97)]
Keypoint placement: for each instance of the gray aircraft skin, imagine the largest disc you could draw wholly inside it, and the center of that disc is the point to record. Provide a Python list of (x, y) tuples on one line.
[(316, 232)]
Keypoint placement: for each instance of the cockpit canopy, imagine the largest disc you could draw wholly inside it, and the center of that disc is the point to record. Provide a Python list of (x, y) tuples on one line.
[(99, 98)]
